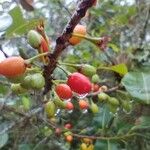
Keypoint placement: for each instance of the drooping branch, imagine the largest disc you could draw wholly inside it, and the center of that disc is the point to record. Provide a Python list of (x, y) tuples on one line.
[(62, 40)]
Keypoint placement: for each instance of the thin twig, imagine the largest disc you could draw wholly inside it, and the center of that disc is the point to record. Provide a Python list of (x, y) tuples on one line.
[(108, 91)]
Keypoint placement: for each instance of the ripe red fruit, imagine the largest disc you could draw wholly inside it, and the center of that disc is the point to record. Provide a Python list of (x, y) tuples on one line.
[(63, 91), (69, 138), (79, 29), (83, 104), (69, 106), (79, 83), (12, 66), (68, 126)]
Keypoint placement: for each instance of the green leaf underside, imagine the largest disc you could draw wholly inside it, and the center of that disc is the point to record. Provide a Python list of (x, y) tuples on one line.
[(138, 85)]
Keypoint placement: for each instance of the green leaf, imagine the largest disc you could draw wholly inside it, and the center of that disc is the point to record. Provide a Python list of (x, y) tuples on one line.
[(3, 139), (20, 26), (106, 145), (121, 69), (102, 118), (18, 20), (138, 85)]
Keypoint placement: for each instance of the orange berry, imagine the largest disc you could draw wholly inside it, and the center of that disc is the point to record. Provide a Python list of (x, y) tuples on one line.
[(12, 66), (83, 104), (44, 45), (79, 29), (69, 138)]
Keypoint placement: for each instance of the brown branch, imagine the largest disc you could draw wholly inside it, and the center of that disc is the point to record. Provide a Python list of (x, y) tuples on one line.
[(62, 41), (143, 33)]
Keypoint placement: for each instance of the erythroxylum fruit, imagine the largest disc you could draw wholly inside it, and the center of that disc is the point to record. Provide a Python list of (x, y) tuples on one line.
[(63, 91), (79, 83)]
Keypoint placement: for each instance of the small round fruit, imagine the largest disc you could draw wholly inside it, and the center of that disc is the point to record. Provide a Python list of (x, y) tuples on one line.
[(79, 29), (88, 70), (34, 38), (112, 108), (113, 101), (44, 45), (127, 106), (95, 87), (58, 131), (63, 91), (94, 108), (69, 106), (26, 83), (50, 109), (68, 126), (79, 83), (103, 96), (69, 138), (37, 81), (17, 89), (83, 146), (104, 88), (59, 103), (95, 78), (83, 104), (12, 66)]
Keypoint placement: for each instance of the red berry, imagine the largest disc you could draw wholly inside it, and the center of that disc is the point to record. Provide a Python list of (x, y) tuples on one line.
[(83, 104), (68, 126), (79, 83), (63, 91), (69, 106)]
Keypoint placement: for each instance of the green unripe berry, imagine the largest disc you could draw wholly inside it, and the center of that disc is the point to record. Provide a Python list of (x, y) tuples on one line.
[(126, 106), (27, 82), (37, 81), (112, 108), (17, 89), (103, 96), (59, 103), (34, 38), (95, 78), (113, 101), (88, 70), (50, 109), (94, 108)]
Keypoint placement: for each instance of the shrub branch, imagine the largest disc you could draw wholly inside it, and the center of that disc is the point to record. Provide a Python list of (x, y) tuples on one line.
[(62, 41)]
